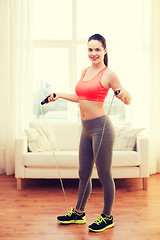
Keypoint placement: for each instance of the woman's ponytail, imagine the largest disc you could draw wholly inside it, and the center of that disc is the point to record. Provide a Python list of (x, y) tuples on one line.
[(106, 59)]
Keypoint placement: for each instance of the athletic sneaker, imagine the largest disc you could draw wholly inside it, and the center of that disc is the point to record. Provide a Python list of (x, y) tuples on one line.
[(102, 223), (72, 217)]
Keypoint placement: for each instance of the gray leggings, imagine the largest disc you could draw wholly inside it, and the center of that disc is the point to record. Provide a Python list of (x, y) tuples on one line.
[(89, 144)]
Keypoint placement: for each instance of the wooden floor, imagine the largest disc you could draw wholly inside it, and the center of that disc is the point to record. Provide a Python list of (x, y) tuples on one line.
[(31, 214)]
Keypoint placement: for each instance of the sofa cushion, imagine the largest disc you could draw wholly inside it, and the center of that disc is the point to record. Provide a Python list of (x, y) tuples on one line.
[(126, 138), (125, 159), (69, 159), (39, 140), (64, 159)]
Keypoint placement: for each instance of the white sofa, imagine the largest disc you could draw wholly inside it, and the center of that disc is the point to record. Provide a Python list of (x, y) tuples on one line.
[(126, 164)]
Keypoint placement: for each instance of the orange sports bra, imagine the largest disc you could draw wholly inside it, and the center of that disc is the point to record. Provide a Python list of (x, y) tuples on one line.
[(92, 89)]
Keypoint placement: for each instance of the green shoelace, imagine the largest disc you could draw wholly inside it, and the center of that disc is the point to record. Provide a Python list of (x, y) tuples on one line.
[(100, 219), (70, 212)]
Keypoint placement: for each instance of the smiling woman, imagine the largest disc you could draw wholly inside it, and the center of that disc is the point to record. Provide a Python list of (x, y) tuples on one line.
[(97, 136)]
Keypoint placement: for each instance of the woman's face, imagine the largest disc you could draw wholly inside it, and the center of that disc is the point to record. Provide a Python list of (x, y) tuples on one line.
[(96, 51)]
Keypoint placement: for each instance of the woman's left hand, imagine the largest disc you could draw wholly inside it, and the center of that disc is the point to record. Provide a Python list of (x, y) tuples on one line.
[(124, 96)]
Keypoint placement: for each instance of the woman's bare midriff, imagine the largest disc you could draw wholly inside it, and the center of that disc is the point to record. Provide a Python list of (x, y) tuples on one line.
[(91, 109)]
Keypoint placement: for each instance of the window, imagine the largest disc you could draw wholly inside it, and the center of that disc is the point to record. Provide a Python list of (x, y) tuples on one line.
[(52, 20), (52, 34), (61, 29), (50, 73)]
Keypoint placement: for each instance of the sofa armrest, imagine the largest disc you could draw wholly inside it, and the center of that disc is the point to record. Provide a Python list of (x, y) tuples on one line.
[(143, 150), (20, 150)]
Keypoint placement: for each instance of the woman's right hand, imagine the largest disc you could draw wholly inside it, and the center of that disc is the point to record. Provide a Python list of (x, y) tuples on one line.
[(51, 98), (69, 97)]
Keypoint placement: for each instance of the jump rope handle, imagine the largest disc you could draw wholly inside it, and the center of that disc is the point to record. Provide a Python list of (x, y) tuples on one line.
[(46, 99), (116, 92)]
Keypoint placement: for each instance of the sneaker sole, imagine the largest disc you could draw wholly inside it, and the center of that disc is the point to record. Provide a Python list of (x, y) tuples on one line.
[(72, 222), (103, 229)]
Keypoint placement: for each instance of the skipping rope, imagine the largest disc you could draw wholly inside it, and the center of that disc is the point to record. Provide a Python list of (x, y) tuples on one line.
[(55, 160)]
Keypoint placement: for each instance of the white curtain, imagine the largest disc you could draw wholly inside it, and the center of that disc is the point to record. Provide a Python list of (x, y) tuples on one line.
[(154, 96), (15, 76)]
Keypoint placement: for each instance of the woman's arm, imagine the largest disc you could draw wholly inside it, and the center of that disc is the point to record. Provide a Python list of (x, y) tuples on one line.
[(124, 96), (69, 97), (115, 84)]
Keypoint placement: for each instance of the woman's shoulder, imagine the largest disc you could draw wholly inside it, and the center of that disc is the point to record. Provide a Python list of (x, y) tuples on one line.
[(109, 72), (108, 78), (110, 75)]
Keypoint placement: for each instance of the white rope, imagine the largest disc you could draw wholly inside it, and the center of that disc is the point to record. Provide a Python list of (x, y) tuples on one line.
[(54, 157)]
